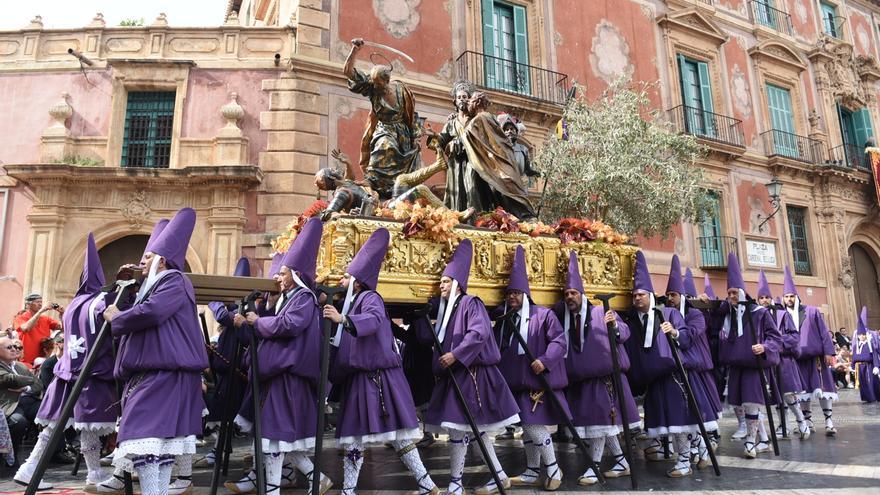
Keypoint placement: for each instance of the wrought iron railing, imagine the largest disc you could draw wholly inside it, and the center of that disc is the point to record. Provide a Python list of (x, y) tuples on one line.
[(714, 250), (510, 76), (848, 156), (708, 125), (833, 25), (707, 2), (801, 148), (766, 15)]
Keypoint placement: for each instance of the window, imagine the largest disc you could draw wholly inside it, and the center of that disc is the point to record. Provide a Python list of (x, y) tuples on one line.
[(696, 94), (797, 226), (765, 13), (830, 23), (505, 46), (149, 117), (712, 252), (856, 131), (782, 122)]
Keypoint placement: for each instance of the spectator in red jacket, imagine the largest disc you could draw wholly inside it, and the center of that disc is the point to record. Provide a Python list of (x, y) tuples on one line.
[(33, 326)]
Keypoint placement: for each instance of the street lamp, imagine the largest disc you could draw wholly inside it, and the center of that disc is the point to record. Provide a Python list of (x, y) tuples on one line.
[(774, 187)]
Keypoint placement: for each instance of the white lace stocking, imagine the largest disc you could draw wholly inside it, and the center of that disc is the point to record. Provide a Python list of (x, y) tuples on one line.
[(351, 466), (413, 462), (90, 447)]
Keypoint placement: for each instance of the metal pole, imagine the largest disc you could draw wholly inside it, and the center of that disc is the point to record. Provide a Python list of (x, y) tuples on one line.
[(75, 392), (767, 406), (326, 331)]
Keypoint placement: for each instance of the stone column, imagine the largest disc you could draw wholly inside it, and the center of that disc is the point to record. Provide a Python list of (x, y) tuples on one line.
[(55, 141), (225, 223), (44, 239), (312, 28), (837, 267)]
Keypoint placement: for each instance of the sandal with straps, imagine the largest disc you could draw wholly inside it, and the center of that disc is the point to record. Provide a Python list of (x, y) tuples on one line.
[(619, 468), (250, 478), (588, 478), (829, 430), (530, 477), (459, 488), (425, 490), (491, 488), (751, 450), (552, 483), (326, 482)]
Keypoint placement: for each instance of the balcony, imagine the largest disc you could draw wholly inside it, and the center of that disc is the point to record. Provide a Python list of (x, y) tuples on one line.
[(712, 127), (509, 76), (787, 145), (848, 156), (763, 14), (833, 26), (714, 250)]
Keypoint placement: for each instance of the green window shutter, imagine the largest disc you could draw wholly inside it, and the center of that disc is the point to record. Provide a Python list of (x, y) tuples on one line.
[(521, 38), (711, 244), (779, 102), (829, 12), (863, 127), (706, 97), (489, 41), (800, 250), (149, 119)]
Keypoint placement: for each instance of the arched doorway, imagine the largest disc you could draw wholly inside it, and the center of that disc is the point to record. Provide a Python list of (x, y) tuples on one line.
[(122, 251), (867, 284)]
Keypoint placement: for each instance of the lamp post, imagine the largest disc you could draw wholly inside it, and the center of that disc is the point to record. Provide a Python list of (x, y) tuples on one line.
[(774, 188)]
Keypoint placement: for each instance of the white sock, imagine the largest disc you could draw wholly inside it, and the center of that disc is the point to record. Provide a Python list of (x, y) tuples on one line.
[(458, 445), (544, 444), (184, 465), (90, 447), (752, 420), (411, 459), (792, 402), (762, 430), (490, 448), (26, 470), (166, 465), (806, 408), (739, 411), (351, 466), (273, 463), (147, 469), (533, 460), (826, 411), (683, 447)]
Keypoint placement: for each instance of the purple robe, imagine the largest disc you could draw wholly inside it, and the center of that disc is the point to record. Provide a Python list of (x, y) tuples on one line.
[(222, 364), (469, 338), (815, 344), (696, 357), (161, 354), (375, 400), (594, 403), (667, 410), (787, 378), (744, 381), (546, 341), (865, 359), (288, 356)]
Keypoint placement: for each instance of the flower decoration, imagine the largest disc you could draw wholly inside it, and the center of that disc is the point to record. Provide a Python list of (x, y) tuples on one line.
[(282, 243)]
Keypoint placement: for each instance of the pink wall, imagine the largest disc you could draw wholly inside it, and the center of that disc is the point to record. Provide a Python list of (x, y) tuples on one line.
[(739, 79), (14, 255), (748, 195), (861, 32), (802, 18), (208, 90)]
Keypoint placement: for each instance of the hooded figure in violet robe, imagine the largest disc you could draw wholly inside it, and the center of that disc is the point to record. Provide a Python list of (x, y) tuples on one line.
[(747, 357), (471, 355), (866, 356), (594, 405), (544, 336), (786, 378), (288, 351), (94, 414), (695, 356), (653, 366), (163, 355), (375, 402), (816, 354)]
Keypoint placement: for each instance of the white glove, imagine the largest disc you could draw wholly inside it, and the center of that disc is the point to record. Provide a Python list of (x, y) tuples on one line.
[(876, 371)]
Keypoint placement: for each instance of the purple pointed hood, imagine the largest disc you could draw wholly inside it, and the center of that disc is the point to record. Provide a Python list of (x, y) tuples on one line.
[(863, 321), (642, 278), (276, 264), (157, 231), (789, 287), (459, 267), (174, 239), (368, 261), (519, 277), (690, 288), (302, 256), (675, 283), (707, 287), (92, 278), (763, 285), (242, 268), (574, 280), (734, 275)]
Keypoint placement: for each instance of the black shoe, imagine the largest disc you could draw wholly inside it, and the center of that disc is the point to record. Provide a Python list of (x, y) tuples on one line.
[(63, 458)]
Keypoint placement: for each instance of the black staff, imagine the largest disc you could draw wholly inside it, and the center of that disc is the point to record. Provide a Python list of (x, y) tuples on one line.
[(78, 385), (613, 334), (689, 392), (255, 388), (777, 373), (548, 391), (326, 332), (764, 387), (467, 414), (224, 438)]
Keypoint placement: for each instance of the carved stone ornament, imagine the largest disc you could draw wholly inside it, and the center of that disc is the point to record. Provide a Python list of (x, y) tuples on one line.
[(61, 111), (232, 111), (412, 267), (848, 78), (137, 210), (398, 17)]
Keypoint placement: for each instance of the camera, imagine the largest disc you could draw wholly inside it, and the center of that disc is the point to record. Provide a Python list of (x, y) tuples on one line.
[(55, 305)]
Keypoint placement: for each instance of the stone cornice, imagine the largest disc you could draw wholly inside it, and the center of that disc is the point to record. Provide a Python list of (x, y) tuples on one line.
[(242, 177)]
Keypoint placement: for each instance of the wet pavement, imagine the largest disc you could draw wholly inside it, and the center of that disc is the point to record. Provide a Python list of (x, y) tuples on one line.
[(844, 464)]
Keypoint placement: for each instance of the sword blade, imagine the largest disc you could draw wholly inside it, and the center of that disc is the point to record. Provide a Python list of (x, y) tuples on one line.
[(390, 49)]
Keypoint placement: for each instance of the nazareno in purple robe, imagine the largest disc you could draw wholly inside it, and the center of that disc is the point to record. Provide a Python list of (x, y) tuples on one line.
[(866, 357), (787, 378), (744, 381), (375, 401), (666, 407), (161, 357), (469, 338), (815, 344), (594, 405), (696, 357), (546, 340), (288, 355)]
